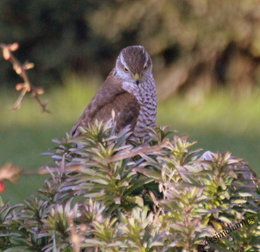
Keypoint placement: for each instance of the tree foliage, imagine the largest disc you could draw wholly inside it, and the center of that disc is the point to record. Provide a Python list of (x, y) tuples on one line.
[(194, 43), (106, 194)]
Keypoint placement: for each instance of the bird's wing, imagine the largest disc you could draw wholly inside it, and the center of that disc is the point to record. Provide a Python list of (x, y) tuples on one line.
[(110, 97), (126, 111)]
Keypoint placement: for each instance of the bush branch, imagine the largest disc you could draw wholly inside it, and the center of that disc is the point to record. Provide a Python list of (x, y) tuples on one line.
[(21, 70)]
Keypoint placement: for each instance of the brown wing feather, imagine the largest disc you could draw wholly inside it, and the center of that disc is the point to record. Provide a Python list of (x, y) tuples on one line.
[(110, 97), (126, 110)]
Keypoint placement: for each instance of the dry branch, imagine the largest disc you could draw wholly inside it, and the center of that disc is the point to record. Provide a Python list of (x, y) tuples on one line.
[(21, 70)]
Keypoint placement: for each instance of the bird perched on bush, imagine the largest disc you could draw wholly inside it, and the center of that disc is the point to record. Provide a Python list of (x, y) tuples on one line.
[(129, 91)]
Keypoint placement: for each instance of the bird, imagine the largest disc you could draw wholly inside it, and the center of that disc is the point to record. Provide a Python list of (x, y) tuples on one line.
[(129, 92)]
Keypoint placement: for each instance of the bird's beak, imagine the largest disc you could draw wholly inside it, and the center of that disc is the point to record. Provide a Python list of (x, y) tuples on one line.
[(137, 76)]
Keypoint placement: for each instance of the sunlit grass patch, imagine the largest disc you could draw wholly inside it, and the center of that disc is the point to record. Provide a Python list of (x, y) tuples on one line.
[(219, 110)]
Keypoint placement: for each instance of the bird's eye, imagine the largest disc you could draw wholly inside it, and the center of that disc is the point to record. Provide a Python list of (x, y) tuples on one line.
[(126, 70), (145, 67)]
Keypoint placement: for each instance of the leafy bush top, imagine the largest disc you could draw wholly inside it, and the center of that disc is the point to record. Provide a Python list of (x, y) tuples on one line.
[(106, 194)]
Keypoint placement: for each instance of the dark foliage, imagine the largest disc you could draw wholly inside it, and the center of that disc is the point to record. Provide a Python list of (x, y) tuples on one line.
[(193, 43)]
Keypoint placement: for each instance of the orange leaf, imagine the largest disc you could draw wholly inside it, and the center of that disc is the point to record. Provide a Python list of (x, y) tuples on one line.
[(17, 69), (19, 86), (28, 65), (9, 172), (6, 53), (13, 47), (39, 91)]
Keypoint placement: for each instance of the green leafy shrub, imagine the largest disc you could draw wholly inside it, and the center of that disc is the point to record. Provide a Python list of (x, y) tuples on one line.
[(106, 194)]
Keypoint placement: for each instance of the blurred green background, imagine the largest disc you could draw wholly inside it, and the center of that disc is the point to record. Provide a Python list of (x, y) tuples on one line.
[(206, 58)]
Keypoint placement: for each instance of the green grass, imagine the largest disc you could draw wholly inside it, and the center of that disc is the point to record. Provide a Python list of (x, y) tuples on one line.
[(218, 123)]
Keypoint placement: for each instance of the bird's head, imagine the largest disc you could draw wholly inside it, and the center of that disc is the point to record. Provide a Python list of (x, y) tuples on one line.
[(134, 65)]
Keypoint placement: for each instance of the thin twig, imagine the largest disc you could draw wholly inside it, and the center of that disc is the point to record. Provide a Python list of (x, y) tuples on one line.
[(21, 70)]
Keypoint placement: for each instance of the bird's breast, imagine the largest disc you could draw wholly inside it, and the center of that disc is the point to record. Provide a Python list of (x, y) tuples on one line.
[(145, 94)]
